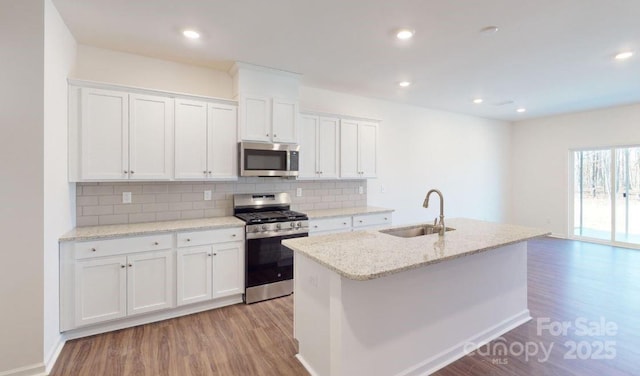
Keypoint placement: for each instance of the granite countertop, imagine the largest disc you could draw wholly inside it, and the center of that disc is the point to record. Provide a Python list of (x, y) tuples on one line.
[(112, 231), (328, 213), (370, 254)]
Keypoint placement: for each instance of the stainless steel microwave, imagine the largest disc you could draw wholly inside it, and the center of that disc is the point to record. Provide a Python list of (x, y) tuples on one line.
[(263, 159)]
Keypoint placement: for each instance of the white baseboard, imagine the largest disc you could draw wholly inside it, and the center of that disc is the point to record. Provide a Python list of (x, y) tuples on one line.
[(306, 365), (50, 360), (32, 370), (458, 351)]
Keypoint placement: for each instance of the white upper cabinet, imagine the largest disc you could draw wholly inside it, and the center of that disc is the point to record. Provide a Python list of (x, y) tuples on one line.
[(206, 140), (104, 145), (268, 119), (319, 140), (150, 137), (358, 149), (115, 135)]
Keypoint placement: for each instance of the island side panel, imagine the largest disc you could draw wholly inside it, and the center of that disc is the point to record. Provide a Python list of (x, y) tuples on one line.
[(312, 318), (418, 321)]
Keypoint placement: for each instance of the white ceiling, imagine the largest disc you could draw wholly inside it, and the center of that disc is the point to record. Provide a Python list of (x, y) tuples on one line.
[(550, 56)]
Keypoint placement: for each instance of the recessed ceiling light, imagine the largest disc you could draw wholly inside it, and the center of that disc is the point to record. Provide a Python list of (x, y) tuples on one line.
[(191, 34), (478, 100), (489, 30), (404, 34), (404, 83), (624, 55), (521, 109)]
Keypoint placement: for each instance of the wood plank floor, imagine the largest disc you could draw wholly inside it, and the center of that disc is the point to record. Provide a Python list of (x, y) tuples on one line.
[(567, 280)]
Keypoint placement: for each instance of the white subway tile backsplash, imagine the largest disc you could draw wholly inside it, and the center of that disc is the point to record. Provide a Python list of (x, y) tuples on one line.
[(101, 203)]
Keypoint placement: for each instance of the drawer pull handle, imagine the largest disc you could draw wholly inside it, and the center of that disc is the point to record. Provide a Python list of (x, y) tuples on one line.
[(93, 249)]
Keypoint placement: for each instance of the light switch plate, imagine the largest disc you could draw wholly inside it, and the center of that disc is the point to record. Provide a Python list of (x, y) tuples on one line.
[(298, 192), (207, 195), (126, 197)]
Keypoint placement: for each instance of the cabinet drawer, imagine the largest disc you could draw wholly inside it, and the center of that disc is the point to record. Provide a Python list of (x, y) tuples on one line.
[(186, 239), (99, 248), (366, 220), (330, 224)]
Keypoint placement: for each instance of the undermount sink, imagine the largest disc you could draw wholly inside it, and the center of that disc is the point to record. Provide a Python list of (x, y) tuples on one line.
[(413, 231)]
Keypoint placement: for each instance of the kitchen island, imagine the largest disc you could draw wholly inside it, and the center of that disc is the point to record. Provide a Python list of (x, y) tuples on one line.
[(371, 303)]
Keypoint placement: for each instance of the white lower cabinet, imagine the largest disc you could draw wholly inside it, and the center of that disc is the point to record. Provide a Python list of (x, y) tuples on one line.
[(211, 268), (334, 225), (121, 282)]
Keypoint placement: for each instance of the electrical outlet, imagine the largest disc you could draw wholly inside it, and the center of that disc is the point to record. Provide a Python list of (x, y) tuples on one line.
[(361, 190), (126, 197), (298, 192), (207, 195)]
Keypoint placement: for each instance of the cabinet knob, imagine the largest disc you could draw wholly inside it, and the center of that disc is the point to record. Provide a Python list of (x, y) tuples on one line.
[(209, 254), (126, 172), (122, 266), (209, 172), (344, 223), (215, 254), (130, 265), (316, 226), (233, 235), (132, 172), (188, 239), (275, 135), (360, 221), (204, 172), (93, 249), (385, 218), (155, 243), (267, 134)]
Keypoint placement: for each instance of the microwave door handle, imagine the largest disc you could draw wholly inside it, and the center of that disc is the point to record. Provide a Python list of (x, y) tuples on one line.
[(288, 161)]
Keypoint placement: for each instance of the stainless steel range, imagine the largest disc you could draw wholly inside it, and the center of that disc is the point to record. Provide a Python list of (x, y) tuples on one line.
[(268, 265)]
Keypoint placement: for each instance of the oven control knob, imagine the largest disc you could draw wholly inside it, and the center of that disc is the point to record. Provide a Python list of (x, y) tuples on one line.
[(293, 224), (264, 227), (299, 224), (278, 226)]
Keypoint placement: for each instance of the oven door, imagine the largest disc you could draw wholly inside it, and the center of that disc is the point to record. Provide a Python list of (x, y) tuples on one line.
[(268, 261)]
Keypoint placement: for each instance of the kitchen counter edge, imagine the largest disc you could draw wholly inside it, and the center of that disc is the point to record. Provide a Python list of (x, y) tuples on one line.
[(146, 228)]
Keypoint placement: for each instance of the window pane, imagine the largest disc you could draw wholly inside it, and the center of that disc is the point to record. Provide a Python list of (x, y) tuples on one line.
[(592, 194), (628, 195)]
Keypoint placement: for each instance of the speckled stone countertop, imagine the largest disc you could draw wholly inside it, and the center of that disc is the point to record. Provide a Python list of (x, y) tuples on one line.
[(112, 231), (370, 254), (328, 213)]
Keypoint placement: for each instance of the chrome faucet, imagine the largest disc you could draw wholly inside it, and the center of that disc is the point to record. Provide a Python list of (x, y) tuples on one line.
[(440, 226)]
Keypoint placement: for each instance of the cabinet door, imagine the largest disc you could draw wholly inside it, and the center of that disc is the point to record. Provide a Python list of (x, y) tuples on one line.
[(191, 139), (328, 141), (194, 274), (228, 269), (150, 137), (149, 281), (367, 146), (104, 146), (255, 118), (349, 149), (223, 142), (308, 143), (284, 121), (100, 290)]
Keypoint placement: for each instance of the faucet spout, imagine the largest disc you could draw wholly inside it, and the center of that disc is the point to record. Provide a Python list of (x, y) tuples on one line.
[(426, 205)]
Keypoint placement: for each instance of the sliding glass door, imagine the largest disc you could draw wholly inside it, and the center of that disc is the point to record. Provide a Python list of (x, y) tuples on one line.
[(606, 190)]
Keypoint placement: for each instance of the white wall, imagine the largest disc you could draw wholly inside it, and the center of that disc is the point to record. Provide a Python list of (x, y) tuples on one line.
[(97, 64), (59, 195), (21, 191), (540, 165), (467, 158)]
